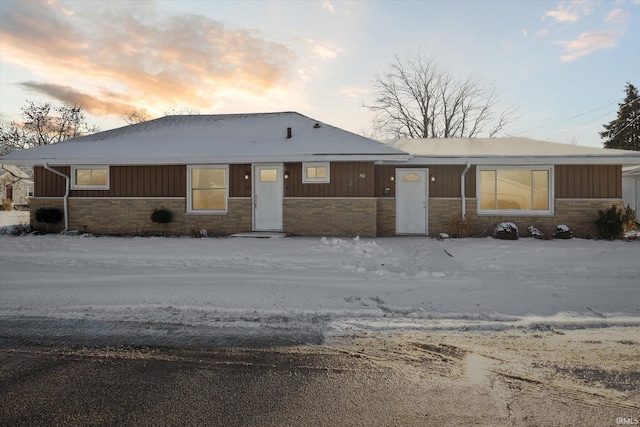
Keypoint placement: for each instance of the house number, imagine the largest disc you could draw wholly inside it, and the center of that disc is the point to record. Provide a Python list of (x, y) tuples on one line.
[(363, 175)]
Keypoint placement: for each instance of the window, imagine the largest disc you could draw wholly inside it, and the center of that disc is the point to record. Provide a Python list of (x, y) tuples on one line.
[(90, 177), (315, 172), (515, 190), (30, 191), (411, 177), (207, 189)]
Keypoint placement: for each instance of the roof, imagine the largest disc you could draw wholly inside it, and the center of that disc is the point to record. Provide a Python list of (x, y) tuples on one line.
[(508, 151), (226, 138), (14, 172)]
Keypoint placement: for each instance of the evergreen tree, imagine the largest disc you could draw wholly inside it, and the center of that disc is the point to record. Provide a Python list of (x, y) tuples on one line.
[(624, 131)]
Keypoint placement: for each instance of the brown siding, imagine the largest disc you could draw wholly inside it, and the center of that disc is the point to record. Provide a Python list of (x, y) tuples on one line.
[(588, 182), (124, 181), (238, 186), (347, 179), (446, 184)]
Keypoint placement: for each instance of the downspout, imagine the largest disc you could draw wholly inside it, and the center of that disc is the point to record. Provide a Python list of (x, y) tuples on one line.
[(462, 190), (66, 196)]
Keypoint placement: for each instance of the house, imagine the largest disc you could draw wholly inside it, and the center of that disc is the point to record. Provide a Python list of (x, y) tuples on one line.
[(488, 180), (287, 172), (15, 185), (631, 188)]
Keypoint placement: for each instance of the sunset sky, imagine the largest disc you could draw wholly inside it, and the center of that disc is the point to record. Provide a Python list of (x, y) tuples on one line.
[(562, 64)]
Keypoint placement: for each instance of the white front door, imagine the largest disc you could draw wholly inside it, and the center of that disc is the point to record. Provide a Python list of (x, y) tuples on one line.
[(411, 201), (267, 197)]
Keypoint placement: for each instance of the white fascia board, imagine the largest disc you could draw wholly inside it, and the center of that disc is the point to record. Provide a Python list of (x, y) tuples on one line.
[(526, 160), (132, 161)]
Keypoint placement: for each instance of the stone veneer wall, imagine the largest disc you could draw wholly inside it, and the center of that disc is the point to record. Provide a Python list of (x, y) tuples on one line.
[(330, 216), (386, 216), (366, 217), (132, 216), (578, 214)]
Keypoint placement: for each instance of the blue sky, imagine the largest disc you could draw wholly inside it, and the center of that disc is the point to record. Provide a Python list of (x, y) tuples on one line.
[(562, 64)]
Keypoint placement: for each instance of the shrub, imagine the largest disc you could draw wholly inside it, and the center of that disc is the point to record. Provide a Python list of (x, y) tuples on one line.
[(629, 219), (506, 231), (534, 232), (49, 216), (161, 216), (610, 223), (461, 227), (562, 232), (7, 205)]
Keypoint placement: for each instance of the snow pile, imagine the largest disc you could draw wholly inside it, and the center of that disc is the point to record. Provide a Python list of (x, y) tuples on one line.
[(163, 290)]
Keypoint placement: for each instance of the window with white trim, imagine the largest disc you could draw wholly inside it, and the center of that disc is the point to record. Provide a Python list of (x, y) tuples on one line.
[(317, 172), (208, 189), (514, 190), (90, 177)]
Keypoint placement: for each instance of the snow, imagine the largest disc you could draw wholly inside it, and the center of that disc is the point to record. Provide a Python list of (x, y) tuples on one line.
[(514, 150), (165, 288), (202, 139)]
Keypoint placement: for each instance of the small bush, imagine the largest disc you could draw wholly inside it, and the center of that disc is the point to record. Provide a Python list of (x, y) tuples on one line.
[(7, 205), (161, 216), (461, 227), (506, 231), (562, 232), (629, 219), (534, 232), (610, 223), (49, 215)]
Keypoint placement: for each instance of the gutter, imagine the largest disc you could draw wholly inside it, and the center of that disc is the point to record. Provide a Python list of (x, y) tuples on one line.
[(462, 190), (66, 196)]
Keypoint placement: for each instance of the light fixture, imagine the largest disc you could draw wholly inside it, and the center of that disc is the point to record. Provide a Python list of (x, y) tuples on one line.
[(286, 175), (392, 177), (247, 175), (433, 178)]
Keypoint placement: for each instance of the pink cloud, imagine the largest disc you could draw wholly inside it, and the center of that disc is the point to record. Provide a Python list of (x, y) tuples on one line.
[(587, 43), (151, 58)]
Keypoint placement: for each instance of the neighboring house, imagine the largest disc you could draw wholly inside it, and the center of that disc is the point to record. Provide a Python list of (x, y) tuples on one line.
[(15, 185), (287, 172), (631, 188)]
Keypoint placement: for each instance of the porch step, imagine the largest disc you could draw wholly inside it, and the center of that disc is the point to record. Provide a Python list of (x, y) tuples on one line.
[(261, 234)]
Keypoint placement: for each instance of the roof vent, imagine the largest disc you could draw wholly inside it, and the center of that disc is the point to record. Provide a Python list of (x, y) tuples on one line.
[(316, 126), (288, 133)]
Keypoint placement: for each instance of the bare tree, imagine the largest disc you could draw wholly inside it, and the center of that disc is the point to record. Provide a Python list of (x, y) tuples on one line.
[(135, 116), (44, 124), (416, 99)]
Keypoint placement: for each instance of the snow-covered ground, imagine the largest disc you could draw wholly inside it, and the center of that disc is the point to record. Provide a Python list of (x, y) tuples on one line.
[(165, 288)]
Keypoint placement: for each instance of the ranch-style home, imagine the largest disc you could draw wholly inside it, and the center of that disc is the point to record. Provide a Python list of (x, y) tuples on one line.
[(289, 173)]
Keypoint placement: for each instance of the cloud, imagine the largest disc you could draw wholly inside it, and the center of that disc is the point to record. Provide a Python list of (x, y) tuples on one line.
[(618, 17), (329, 7), (147, 58), (107, 103), (323, 50), (352, 92), (569, 12), (587, 43), (591, 41)]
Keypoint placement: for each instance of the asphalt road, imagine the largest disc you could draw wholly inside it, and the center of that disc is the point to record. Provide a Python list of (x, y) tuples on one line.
[(47, 386), (513, 378)]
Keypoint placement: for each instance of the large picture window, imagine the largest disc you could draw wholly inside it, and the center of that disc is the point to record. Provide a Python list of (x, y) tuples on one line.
[(90, 177), (515, 190), (208, 189)]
